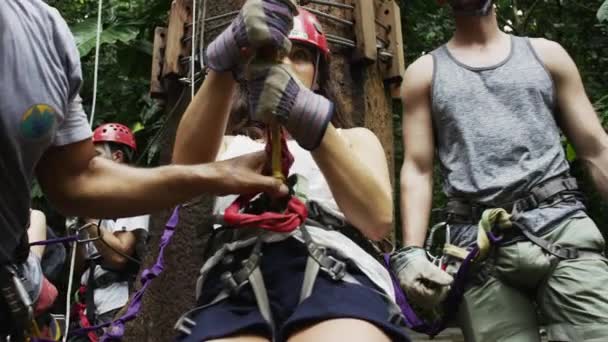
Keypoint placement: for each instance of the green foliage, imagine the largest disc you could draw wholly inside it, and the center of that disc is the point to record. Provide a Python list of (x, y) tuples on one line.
[(602, 13), (125, 61)]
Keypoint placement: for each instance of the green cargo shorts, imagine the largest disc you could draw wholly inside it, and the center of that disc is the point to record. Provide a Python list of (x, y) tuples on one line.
[(526, 288)]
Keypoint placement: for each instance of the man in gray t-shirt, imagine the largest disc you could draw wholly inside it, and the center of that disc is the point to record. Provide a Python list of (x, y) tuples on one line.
[(44, 133), (490, 107)]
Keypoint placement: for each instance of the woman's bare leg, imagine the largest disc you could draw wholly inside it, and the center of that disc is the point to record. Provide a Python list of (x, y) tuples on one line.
[(342, 329)]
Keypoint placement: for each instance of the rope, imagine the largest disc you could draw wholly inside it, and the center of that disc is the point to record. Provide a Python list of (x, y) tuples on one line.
[(68, 303), (96, 68), (193, 51)]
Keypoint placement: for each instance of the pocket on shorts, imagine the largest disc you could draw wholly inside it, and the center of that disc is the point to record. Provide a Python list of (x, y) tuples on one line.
[(582, 232)]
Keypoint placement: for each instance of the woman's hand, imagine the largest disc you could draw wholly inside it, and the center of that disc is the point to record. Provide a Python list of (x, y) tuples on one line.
[(274, 91), (259, 24), (242, 175)]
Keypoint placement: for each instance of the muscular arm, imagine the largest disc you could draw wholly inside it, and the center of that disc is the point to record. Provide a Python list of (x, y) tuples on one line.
[(81, 184), (418, 141), (576, 117), (356, 170), (201, 129)]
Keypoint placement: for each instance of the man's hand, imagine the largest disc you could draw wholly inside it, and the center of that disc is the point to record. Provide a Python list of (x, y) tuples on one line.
[(259, 24), (243, 175), (425, 284), (275, 91)]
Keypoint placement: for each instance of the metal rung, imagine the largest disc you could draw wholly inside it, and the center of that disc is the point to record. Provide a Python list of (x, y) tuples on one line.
[(329, 17), (385, 27), (385, 55), (331, 3), (222, 16), (340, 41), (218, 26)]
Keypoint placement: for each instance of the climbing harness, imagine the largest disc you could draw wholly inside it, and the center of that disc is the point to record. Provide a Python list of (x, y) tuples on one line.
[(496, 227)]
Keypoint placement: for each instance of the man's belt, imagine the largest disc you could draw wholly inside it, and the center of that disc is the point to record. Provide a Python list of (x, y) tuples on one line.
[(462, 211)]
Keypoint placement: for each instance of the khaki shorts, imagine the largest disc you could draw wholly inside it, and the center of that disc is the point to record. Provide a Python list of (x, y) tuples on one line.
[(525, 288)]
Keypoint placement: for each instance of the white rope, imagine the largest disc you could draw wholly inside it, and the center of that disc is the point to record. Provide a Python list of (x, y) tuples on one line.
[(68, 303), (201, 45), (193, 43), (96, 68)]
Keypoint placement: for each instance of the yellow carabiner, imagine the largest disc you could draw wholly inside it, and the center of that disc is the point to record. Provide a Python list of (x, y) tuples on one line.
[(275, 136)]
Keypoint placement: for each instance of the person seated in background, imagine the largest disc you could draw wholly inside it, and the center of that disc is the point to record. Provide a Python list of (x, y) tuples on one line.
[(112, 259)]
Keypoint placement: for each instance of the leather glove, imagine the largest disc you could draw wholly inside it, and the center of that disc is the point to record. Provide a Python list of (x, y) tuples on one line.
[(425, 284), (260, 23), (275, 91)]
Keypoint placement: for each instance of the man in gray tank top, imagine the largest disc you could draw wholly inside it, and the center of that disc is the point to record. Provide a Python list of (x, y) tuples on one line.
[(491, 107)]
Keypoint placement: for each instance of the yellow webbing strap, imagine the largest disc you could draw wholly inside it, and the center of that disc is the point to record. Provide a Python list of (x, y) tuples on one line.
[(489, 219), (455, 251), (275, 134)]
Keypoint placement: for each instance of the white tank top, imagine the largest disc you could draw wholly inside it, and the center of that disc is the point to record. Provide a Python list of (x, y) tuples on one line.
[(303, 165), (318, 190)]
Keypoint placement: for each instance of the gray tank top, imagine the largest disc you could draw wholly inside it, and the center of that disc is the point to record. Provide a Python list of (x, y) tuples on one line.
[(495, 133)]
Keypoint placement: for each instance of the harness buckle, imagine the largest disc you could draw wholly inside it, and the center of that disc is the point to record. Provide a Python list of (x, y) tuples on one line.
[(336, 268), (227, 278), (525, 204), (185, 325), (566, 252)]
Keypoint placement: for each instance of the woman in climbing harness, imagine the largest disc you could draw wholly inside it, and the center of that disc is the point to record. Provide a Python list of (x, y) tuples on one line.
[(322, 280)]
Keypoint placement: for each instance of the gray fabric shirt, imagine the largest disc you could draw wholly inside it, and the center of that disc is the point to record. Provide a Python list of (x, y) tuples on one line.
[(495, 131), (39, 104)]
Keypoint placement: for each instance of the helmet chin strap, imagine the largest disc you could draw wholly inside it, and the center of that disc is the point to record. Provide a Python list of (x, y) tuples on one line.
[(484, 8), (315, 85)]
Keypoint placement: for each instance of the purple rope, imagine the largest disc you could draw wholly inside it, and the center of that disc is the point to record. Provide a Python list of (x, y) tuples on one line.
[(117, 327), (117, 330), (453, 299), (71, 238)]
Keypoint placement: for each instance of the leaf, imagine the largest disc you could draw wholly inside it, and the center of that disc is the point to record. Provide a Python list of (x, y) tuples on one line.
[(570, 152), (85, 35), (602, 13), (138, 126)]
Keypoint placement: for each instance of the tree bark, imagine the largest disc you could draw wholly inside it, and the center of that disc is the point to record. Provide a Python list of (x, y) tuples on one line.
[(362, 94)]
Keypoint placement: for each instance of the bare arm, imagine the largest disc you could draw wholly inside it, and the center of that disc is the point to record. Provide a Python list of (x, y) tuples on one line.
[(418, 141), (202, 128), (356, 170), (577, 118), (124, 242), (81, 184), (37, 231)]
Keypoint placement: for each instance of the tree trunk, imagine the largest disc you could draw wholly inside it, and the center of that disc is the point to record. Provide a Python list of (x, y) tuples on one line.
[(361, 93)]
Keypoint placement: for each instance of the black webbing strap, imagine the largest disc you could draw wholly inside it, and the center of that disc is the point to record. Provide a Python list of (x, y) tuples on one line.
[(462, 211), (459, 211), (90, 293), (554, 249)]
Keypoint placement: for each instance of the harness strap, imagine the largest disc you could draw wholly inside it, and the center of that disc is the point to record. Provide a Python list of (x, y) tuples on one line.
[(461, 210), (17, 301), (185, 323), (310, 276), (250, 273), (334, 267), (89, 294), (261, 295)]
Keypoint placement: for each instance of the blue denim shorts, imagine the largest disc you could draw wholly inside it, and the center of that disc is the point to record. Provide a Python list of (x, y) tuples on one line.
[(282, 267)]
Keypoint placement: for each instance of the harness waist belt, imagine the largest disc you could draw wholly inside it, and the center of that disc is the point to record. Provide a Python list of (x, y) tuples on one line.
[(461, 210)]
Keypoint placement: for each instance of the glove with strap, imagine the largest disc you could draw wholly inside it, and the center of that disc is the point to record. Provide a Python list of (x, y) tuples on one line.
[(424, 283), (275, 91), (260, 23)]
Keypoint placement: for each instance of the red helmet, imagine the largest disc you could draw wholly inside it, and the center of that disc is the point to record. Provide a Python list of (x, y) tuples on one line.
[(116, 133), (308, 30)]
